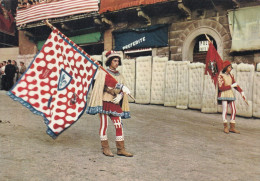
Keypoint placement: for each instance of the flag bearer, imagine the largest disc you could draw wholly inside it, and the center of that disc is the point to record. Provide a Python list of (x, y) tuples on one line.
[(109, 99), (226, 82)]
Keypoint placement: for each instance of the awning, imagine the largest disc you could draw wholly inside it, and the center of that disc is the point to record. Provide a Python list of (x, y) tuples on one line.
[(79, 39), (113, 5), (55, 9), (149, 37)]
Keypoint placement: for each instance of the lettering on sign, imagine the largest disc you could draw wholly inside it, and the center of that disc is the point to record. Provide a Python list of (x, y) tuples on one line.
[(134, 43)]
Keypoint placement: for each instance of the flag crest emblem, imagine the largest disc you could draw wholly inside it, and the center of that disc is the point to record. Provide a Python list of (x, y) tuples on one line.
[(64, 80)]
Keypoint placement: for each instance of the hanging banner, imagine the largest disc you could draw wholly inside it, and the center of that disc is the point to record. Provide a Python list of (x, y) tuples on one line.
[(7, 24), (149, 37), (245, 28), (55, 9)]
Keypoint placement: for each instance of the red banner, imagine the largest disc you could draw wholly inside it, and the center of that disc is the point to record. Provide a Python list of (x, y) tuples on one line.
[(113, 5), (213, 63), (6, 22)]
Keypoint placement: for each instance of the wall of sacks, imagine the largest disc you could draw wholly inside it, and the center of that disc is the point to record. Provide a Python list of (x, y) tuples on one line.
[(181, 84)]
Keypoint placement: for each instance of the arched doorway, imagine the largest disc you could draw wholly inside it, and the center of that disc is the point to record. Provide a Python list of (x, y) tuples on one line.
[(195, 35)]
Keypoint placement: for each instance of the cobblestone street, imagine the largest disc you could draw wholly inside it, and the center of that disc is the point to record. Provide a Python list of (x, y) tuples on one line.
[(167, 143)]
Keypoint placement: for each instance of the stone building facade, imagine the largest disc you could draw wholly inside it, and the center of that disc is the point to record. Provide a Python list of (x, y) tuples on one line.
[(188, 21), (185, 26)]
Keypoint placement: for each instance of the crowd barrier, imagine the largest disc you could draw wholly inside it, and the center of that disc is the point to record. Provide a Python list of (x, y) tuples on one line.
[(181, 84), (184, 85)]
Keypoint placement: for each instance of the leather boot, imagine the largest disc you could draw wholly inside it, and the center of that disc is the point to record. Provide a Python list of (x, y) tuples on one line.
[(121, 149), (106, 149), (226, 128), (233, 129)]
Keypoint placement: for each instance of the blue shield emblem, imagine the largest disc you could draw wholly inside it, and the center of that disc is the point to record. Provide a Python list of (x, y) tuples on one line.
[(64, 79)]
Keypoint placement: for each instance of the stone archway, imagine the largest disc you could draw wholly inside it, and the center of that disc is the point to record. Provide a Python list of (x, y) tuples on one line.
[(209, 27)]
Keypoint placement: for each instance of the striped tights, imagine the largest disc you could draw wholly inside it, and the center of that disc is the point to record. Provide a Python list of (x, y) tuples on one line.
[(225, 109), (103, 127)]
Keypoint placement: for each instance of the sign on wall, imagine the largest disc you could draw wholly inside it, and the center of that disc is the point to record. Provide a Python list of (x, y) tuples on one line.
[(152, 36), (203, 46)]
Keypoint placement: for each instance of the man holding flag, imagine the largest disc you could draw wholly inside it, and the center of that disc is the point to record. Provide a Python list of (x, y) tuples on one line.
[(221, 76), (109, 99), (226, 82), (57, 82)]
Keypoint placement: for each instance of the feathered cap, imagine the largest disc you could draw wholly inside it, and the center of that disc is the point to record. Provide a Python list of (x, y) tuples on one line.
[(112, 53)]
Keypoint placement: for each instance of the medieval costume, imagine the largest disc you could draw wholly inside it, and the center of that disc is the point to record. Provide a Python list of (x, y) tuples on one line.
[(109, 99), (226, 82)]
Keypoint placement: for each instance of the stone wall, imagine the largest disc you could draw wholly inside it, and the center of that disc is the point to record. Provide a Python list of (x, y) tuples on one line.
[(25, 45)]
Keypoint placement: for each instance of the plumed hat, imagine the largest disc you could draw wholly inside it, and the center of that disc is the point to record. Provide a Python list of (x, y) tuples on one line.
[(112, 53)]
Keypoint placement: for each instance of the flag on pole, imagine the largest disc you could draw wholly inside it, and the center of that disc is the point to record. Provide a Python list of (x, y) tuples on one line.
[(56, 83), (213, 63)]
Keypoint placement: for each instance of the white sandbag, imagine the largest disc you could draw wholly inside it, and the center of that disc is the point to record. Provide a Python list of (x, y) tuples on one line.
[(209, 98), (258, 67), (129, 75), (196, 82), (158, 80), (256, 93), (143, 79), (183, 85), (234, 72), (171, 82), (245, 79)]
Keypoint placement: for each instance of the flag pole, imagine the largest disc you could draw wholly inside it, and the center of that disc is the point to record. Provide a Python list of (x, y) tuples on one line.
[(207, 38), (80, 49), (245, 101)]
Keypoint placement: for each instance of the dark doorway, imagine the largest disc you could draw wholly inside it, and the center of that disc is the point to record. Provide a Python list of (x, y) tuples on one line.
[(201, 48)]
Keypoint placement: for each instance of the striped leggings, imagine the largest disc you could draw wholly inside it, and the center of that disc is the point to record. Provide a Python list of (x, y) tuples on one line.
[(225, 109), (103, 127)]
